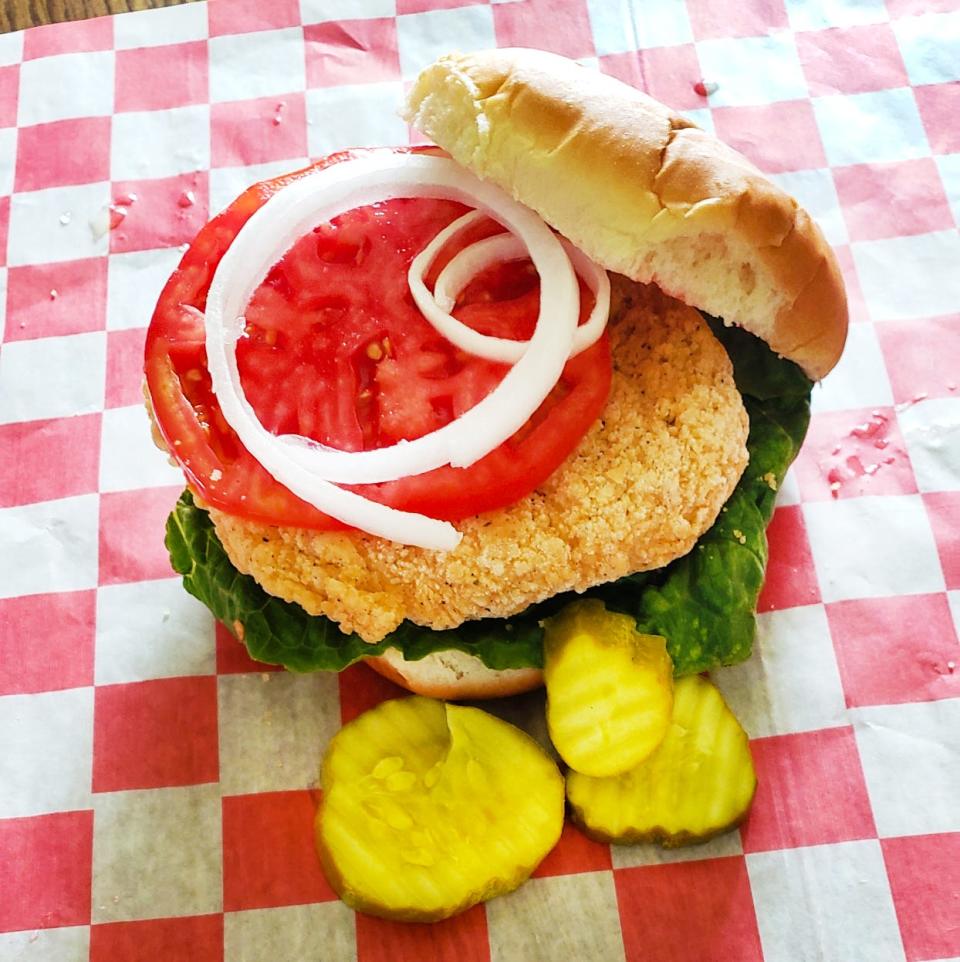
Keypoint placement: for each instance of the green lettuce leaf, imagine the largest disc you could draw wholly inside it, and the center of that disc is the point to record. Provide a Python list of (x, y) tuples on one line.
[(703, 603), (281, 633)]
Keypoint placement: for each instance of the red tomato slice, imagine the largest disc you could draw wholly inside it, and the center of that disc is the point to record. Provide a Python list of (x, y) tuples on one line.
[(335, 350)]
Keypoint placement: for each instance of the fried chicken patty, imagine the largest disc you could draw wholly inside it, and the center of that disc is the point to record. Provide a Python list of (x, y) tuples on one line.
[(648, 478)]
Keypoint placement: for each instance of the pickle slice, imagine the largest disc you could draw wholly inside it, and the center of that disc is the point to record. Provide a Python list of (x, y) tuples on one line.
[(429, 808), (609, 689), (697, 784)]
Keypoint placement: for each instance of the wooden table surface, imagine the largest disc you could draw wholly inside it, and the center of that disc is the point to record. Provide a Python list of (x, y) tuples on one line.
[(17, 14)]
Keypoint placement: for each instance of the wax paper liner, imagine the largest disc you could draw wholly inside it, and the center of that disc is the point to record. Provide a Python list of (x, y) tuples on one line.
[(157, 787)]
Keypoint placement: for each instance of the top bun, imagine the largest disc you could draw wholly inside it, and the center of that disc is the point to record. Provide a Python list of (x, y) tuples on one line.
[(642, 191)]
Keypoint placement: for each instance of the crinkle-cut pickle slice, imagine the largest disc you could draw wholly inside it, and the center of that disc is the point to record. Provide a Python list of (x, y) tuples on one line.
[(697, 784), (609, 689), (429, 808)]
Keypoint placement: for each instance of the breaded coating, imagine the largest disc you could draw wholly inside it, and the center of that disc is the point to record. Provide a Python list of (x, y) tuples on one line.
[(646, 481)]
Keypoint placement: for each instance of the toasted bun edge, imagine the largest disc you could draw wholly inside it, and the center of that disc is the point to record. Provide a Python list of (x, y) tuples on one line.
[(454, 675)]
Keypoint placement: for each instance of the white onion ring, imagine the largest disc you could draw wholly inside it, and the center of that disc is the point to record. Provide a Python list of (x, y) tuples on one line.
[(304, 466), (469, 262)]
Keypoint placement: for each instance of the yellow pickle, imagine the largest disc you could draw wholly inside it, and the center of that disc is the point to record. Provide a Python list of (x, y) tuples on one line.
[(609, 689), (698, 783), (429, 808)]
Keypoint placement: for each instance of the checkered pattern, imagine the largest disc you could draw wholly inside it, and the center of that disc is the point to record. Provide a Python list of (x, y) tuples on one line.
[(157, 787)]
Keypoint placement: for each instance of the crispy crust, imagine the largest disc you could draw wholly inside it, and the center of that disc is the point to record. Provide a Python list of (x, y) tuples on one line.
[(646, 481), (643, 191)]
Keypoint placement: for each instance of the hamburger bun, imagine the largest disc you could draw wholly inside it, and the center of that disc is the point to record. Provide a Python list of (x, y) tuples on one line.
[(454, 675), (641, 190)]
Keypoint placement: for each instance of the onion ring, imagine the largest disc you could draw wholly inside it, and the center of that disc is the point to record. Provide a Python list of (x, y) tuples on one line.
[(469, 262)]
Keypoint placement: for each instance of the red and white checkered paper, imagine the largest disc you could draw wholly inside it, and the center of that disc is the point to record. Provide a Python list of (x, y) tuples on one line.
[(157, 787)]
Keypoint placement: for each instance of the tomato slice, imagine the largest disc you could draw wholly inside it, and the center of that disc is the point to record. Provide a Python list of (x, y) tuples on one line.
[(334, 349)]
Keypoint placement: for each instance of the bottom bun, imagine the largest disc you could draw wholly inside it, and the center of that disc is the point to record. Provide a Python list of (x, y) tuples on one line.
[(455, 675)]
